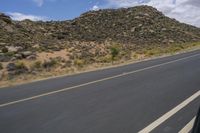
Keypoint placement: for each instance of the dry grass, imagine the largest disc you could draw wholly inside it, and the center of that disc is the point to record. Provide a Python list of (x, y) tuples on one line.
[(155, 52), (47, 55)]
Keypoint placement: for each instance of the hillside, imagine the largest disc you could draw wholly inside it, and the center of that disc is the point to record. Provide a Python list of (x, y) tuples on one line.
[(89, 38), (137, 25)]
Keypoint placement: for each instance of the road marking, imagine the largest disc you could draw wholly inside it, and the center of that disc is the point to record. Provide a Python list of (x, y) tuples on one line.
[(96, 81), (188, 127), (163, 118)]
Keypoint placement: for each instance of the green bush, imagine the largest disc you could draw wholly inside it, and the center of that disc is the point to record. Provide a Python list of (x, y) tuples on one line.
[(1, 66), (79, 62), (20, 65), (105, 59), (36, 65), (4, 50), (50, 63), (114, 50), (10, 54)]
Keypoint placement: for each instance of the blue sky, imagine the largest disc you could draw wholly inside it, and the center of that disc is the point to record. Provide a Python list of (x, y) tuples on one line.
[(51, 9), (186, 11)]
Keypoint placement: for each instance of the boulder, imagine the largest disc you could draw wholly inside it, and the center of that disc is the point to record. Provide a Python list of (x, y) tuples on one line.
[(13, 59), (14, 49), (31, 57), (11, 67), (133, 29), (14, 69), (4, 58), (26, 54), (163, 29), (18, 56)]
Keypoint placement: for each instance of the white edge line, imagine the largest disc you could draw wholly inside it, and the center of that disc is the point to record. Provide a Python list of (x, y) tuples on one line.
[(163, 118), (188, 127), (92, 82)]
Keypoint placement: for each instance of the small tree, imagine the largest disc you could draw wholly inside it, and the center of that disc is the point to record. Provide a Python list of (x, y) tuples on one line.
[(114, 52)]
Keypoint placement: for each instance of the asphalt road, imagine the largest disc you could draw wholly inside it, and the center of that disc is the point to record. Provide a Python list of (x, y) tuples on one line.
[(160, 95)]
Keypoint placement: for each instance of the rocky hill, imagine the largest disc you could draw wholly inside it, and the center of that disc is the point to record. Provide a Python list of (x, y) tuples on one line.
[(89, 38), (138, 25)]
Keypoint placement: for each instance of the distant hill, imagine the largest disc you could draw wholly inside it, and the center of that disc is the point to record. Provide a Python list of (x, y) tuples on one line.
[(137, 25)]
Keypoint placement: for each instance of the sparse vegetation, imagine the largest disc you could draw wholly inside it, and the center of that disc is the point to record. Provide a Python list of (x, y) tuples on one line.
[(114, 50), (95, 38), (79, 63), (36, 65), (20, 65), (105, 59), (1, 66), (4, 50), (49, 64)]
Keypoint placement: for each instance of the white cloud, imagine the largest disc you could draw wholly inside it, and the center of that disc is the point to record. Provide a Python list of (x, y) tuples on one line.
[(95, 8), (39, 2), (19, 16), (186, 11)]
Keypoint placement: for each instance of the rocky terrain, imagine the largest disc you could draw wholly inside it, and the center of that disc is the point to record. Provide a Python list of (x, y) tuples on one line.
[(103, 36)]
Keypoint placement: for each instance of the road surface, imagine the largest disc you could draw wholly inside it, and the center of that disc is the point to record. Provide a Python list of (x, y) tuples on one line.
[(158, 96)]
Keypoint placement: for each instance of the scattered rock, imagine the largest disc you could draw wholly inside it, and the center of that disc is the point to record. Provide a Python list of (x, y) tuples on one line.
[(18, 56), (5, 18), (140, 25), (13, 59), (171, 41), (14, 48), (4, 58), (163, 29), (16, 69), (34, 72), (31, 57), (26, 54), (133, 29), (11, 67), (151, 31)]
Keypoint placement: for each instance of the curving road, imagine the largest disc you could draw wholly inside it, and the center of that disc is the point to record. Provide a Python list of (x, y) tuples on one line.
[(159, 96)]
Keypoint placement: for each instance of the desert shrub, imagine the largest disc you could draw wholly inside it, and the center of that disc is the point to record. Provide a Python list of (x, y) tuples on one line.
[(105, 59), (114, 50), (4, 50), (36, 65), (20, 65), (152, 52), (50, 63), (1, 66), (173, 49), (68, 63), (79, 62), (16, 69), (10, 54)]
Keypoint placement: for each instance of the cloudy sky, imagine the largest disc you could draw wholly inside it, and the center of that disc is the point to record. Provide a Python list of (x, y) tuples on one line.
[(187, 11)]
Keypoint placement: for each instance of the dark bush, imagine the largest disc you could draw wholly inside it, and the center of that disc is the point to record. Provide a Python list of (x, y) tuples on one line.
[(4, 50), (1, 66), (36, 65), (49, 64), (114, 51)]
